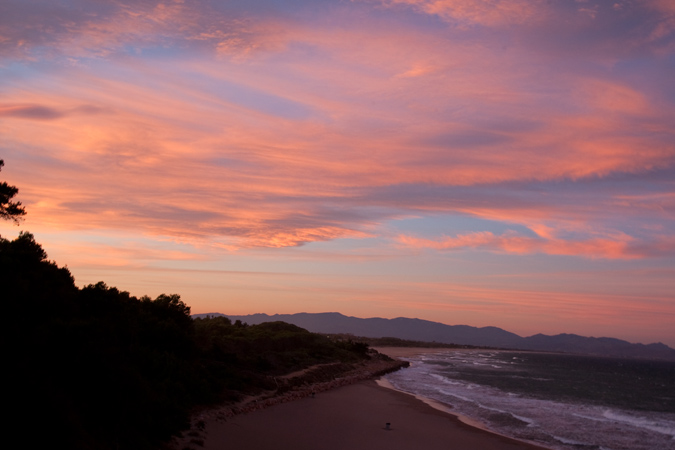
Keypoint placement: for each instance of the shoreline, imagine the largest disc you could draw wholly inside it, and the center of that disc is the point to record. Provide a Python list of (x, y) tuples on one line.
[(404, 352), (349, 416), (352, 417), (441, 407)]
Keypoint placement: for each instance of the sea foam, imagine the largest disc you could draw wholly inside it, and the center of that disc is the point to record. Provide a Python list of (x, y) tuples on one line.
[(531, 401)]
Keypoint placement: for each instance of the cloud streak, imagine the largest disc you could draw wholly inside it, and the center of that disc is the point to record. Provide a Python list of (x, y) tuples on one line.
[(293, 151), (483, 129), (625, 248)]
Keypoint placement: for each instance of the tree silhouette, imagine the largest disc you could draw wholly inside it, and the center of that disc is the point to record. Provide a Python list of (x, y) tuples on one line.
[(9, 210)]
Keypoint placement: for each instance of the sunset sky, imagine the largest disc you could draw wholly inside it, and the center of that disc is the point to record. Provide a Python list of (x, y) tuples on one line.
[(478, 162)]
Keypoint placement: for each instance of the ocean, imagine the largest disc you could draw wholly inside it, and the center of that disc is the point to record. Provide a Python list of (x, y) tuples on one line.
[(558, 401)]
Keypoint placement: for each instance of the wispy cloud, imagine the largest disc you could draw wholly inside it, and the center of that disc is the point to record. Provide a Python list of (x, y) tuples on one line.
[(236, 127), (624, 247), (478, 12)]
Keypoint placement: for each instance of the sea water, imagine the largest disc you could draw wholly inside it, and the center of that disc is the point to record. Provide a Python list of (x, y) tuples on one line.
[(558, 401)]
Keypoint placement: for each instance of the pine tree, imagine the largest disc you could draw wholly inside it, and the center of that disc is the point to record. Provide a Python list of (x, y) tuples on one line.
[(9, 210)]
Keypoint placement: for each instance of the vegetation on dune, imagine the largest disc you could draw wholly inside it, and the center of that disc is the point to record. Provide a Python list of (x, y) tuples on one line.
[(248, 358), (102, 369), (396, 342)]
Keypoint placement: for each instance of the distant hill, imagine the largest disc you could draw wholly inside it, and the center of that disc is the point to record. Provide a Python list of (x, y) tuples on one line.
[(424, 330)]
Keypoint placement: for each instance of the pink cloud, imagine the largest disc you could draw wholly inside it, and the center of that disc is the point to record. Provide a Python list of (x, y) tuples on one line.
[(103, 30), (196, 147), (283, 132), (278, 164), (617, 248), (482, 12)]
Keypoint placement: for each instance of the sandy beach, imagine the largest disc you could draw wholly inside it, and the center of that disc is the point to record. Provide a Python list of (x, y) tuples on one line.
[(352, 417)]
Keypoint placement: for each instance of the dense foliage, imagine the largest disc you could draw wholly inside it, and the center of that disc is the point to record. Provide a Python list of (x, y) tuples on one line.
[(395, 342), (98, 368), (9, 210)]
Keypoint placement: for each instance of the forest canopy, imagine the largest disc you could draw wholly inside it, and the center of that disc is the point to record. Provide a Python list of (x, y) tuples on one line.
[(107, 370)]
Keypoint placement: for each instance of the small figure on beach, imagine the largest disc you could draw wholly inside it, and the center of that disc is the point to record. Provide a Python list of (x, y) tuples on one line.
[(387, 426)]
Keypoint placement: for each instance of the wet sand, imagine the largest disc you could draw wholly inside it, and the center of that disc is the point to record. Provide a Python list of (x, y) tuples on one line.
[(351, 418)]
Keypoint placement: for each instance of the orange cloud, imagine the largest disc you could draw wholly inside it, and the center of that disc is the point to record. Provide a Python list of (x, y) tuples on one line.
[(285, 133), (624, 248), (195, 147)]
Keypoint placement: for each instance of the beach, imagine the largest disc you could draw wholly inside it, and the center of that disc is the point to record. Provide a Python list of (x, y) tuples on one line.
[(351, 417)]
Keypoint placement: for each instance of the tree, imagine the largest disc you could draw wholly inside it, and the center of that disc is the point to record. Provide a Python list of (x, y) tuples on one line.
[(9, 210)]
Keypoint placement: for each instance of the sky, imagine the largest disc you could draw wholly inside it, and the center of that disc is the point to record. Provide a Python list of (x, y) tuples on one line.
[(503, 163)]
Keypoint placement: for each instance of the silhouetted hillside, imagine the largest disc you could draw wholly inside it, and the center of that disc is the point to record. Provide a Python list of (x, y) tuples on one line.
[(424, 330), (573, 343), (97, 368)]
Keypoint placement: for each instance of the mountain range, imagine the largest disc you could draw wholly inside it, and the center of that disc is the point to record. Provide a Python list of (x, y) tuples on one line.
[(424, 330)]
